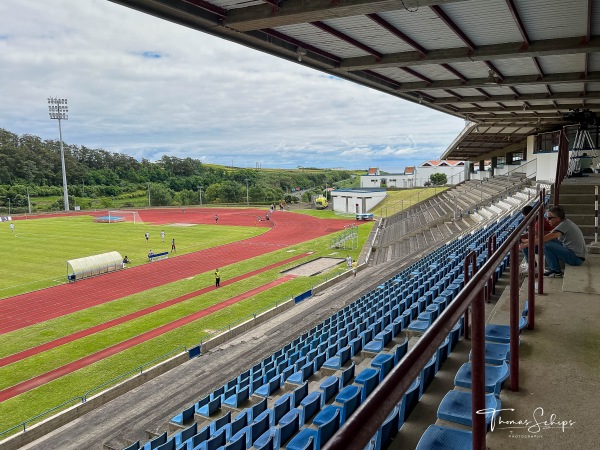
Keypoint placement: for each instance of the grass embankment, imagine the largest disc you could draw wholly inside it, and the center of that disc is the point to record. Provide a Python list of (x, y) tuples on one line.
[(54, 393), (396, 201)]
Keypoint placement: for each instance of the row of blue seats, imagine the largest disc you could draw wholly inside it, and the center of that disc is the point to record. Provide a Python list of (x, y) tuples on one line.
[(249, 382), (455, 407)]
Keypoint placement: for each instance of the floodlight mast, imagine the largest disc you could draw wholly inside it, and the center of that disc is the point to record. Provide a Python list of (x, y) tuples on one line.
[(58, 109)]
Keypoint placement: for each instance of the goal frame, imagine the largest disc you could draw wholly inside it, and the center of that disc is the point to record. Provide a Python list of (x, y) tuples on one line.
[(130, 215)]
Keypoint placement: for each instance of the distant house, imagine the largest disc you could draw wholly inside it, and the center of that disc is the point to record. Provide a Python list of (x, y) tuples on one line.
[(374, 179), (455, 171)]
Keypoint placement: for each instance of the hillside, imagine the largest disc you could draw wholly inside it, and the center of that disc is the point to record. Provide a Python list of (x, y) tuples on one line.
[(100, 179)]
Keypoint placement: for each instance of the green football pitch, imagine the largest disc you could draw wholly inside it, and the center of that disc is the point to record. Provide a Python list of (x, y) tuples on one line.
[(39, 249)]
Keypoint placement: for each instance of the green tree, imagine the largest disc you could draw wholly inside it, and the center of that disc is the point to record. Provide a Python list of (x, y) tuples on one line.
[(438, 179)]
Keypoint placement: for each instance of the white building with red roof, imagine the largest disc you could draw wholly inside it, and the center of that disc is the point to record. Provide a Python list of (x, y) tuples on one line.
[(455, 171)]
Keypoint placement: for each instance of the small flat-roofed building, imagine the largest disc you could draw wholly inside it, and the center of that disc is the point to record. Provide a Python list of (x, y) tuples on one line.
[(356, 201)]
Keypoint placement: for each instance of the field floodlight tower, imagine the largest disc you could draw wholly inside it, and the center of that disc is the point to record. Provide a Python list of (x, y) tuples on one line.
[(58, 109)]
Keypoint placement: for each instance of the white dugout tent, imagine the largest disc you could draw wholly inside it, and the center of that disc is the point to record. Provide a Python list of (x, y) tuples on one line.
[(93, 265)]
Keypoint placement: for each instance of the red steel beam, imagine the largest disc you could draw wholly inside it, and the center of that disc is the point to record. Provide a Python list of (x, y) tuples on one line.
[(455, 72), (344, 37), (298, 43), (519, 22), (208, 7), (395, 31), (455, 28), (416, 74)]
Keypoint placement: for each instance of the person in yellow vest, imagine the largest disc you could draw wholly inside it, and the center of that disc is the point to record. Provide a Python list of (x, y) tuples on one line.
[(354, 266), (217, 278)]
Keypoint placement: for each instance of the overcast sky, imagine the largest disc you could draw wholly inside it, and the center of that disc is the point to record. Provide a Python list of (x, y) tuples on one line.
[(146, 87)]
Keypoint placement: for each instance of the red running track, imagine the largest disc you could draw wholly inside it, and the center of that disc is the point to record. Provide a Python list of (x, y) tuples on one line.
[(287, 229), (119, 320), (32, 383)]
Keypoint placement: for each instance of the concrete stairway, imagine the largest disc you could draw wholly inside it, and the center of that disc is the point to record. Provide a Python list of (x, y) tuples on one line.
[(448, 215), (577, 198)]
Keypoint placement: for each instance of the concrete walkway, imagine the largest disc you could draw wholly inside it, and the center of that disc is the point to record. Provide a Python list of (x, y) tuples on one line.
[(556, 406)]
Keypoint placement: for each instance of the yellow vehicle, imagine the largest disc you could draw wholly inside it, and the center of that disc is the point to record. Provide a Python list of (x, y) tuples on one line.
[(321, 203)]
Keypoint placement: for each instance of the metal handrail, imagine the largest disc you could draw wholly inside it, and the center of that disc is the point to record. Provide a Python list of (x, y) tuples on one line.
[(45, 413), (364, 423), (139, 369)]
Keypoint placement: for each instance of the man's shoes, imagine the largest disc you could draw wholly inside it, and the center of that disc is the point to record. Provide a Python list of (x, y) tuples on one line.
[(553, 273), (524, 268)]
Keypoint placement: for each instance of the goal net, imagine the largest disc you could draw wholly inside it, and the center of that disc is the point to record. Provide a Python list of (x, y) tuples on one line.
[(124, 216)]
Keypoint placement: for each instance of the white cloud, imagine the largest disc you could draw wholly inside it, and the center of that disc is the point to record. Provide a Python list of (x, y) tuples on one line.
[(147, 87)]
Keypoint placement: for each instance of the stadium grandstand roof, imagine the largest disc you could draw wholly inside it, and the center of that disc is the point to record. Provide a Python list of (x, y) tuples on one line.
[(510, 68)]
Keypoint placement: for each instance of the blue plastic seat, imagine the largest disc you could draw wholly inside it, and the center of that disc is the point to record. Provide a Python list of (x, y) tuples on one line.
[(278, 436), (384, 362), (281, 407), (268, 389), (320, 436), (214, 442), (256, 410), (196, 440), (210, 408), (305, 372), (240, 421), (427, 374), (237, 443), (349, 398), (456, 407), (369, 379), (379, 342), (185, 434), (347, 375), (501, 333), (400, 350), (220, 423), (298, 394), (355, 345), (442, 352), (330, 387), (495, 353), (341, 358), (436, 437), (494, 377), (156, 442), (409, 401), (310, 405), (239, 398), (387, 431), (320, 360), (185, 416)]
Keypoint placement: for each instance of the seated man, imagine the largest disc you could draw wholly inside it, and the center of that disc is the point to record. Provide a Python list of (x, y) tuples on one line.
[(125, 261), (564, 243), (547, 229)]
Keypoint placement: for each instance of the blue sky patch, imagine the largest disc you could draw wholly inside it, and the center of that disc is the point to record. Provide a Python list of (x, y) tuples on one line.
[(151, 55)]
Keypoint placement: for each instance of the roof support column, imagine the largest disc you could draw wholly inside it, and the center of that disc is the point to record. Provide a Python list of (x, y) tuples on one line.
[(494, 165)]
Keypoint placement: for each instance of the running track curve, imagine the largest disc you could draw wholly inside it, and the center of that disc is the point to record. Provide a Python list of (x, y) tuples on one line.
[(287, 229)]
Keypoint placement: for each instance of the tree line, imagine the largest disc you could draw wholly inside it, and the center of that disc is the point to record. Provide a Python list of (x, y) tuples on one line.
[(30, 164)]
